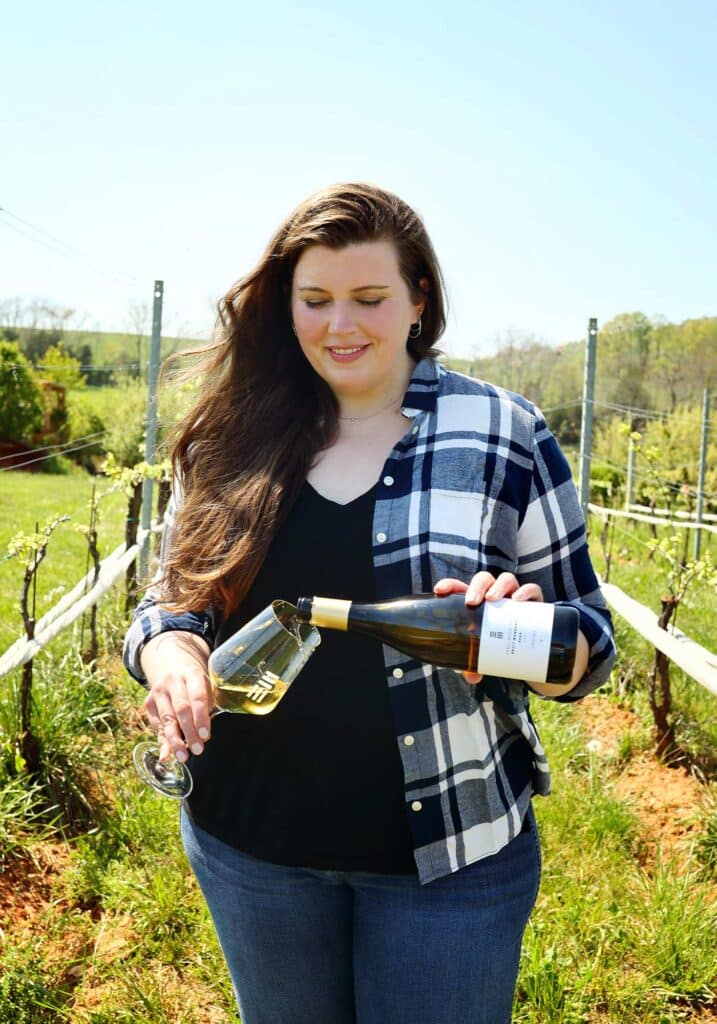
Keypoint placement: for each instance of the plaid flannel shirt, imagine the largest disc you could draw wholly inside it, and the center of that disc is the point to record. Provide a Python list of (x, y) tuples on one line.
[(477, 482)]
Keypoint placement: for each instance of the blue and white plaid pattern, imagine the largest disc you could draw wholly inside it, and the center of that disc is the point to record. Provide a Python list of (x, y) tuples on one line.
[(478, 482)]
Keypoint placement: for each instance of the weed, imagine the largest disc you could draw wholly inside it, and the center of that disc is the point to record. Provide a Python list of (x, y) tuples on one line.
[(706, 850), (23, 819), (26, 996)]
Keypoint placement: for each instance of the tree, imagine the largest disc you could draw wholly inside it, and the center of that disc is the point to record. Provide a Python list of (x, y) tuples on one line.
[(624, 350), (21, 401), (62, 367)]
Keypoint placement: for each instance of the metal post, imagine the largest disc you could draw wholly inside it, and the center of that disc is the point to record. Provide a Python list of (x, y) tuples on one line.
[(151, 440), (630, 473), (586, 428), (702, 470)]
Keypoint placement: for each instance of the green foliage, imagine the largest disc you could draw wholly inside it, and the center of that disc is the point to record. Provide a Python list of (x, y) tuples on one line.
[(29, 547), (62, 367), (672, 479), (24, 817), (641, 363), (682, 571), (677, 924), (127, 477), (624, 349), (707, 843), (66, 790), (606, 483), (21, 403), (25, 994)]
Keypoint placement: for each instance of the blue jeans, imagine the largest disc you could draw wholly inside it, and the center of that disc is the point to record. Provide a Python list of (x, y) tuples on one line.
[(336, 947)]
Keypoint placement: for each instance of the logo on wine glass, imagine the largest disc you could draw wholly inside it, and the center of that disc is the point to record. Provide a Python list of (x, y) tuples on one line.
[(262, 687)]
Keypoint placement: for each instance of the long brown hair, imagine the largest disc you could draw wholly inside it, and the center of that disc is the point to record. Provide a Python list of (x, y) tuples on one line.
[(244, 449)]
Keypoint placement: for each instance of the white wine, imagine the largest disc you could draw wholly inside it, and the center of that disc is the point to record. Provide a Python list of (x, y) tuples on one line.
[(248, 692), (526, 640), (253, 668)]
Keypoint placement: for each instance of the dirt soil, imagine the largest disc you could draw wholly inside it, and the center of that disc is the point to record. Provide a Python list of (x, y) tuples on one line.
[(666, 800)]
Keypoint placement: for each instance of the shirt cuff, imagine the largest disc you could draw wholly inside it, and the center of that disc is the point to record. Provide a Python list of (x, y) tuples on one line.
[(149, 621), (596, 625)]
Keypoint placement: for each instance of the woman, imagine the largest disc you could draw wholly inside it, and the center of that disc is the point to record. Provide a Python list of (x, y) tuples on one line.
[(368, 851)]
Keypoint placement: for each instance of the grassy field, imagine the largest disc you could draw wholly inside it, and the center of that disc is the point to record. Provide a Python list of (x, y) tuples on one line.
[(30, 498), (101, 921)]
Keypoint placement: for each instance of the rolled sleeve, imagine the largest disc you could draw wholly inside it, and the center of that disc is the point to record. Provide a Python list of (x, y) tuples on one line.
[(150, 619), (553, 552)]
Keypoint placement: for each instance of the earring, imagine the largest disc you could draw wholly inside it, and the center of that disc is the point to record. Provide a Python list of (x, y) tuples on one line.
[(415, 331)]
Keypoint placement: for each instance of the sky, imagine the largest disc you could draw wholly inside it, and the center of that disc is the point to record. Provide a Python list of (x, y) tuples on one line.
[(563, 155)]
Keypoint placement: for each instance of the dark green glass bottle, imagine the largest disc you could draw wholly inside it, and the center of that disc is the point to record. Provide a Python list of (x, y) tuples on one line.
[(517, 639)]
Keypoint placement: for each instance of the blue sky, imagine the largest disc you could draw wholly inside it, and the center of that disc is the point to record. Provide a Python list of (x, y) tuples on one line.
[(563, 155)]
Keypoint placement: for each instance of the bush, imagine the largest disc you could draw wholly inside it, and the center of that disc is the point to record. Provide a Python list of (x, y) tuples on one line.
[(21, 401)]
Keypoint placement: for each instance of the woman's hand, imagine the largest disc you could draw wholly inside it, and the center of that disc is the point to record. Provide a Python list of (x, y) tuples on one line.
[(485, 587), (180, 700)]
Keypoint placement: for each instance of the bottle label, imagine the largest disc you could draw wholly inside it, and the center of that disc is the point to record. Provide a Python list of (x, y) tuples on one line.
[(515, 639)]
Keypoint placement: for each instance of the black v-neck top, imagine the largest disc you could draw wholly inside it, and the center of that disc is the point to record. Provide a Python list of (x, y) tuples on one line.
[(318, 782)]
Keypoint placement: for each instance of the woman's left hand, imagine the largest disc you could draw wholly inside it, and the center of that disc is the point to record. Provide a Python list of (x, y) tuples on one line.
[(485, 587)]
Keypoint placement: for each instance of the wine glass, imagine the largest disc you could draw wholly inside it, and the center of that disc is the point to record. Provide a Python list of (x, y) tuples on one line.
[(249, 674)]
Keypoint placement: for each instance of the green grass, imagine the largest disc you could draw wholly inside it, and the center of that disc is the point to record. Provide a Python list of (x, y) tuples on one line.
[(29, 498), (616, 936)]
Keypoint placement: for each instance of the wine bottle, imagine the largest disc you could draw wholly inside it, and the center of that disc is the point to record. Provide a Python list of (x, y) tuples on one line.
[(526, 640)]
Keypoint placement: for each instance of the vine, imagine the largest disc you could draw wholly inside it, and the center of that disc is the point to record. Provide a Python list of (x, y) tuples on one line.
[(682, 573)]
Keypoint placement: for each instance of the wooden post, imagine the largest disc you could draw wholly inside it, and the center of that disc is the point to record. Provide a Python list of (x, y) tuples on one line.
[(130, 536)]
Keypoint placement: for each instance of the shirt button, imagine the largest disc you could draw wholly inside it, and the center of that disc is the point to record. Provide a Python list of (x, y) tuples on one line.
[(414, 430), (416, 805), (380, 537), (398, 673), (408, 741), (388, 480)]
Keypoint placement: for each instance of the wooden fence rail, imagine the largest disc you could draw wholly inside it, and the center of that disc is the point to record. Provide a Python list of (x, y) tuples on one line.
[(73, 604), (673, 513), (696, 661), (604, 513)]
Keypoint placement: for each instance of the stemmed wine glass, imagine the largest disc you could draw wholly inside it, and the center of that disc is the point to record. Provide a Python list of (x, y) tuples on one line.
[(249, 674)]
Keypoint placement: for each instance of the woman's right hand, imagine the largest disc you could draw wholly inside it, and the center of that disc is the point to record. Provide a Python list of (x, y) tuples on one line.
[(179, 702)]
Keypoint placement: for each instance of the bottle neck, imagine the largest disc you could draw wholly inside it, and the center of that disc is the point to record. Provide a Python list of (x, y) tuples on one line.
[(329, 612)]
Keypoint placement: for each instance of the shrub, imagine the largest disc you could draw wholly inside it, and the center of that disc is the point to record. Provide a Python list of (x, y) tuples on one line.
[(21, 402)]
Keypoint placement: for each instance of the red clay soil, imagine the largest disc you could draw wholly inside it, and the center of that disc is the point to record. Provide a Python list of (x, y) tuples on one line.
[(26, 888), (665, 799)]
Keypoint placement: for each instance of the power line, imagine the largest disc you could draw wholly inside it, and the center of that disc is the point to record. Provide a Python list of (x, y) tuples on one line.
[(30, 462), (83, 367), (563, 405), (41, 237), (52, 447), (631, 411)]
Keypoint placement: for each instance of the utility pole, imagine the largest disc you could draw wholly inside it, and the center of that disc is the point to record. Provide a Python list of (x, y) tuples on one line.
[(586, 427), (629, 486), (702, 469), (151, 439)]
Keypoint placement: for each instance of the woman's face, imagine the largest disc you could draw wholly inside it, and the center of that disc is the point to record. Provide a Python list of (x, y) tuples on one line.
[(352, 312)]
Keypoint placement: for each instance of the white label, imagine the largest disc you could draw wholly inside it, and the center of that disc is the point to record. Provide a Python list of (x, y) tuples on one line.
[(515, 639)]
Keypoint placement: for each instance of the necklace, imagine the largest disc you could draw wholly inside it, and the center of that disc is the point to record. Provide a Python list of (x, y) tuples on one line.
[(358, 419)]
